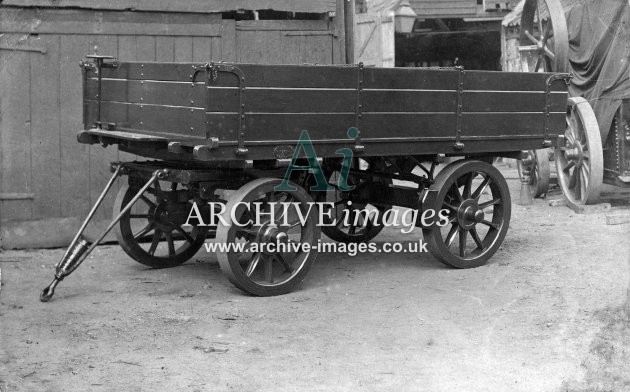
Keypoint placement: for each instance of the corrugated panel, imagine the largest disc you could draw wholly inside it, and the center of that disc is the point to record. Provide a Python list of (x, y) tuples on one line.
[(195, 6), (444, 8)]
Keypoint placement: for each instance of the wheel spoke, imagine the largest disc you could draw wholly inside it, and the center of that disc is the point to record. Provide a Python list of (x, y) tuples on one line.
[(139, 216), (156, 240), (487, 204), (574, 179), (568, 166), (482, 187), (538, 62), (450, 237), (144, 231), (283, 261), (463, 236), (531, 37), (185, 234), (468, 185), (171, 244), (455, 190), (253, 264), (490, 224), (475, 236), (148, 201), (269, 269), (449, 206)]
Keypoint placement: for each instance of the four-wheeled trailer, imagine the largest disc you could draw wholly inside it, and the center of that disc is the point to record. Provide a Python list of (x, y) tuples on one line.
[(225, 133)]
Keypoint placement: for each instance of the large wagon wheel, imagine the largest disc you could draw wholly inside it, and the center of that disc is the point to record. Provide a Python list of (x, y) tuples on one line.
[(155, 217), (544, 47), (537, 163), (544, 40), (367, 227), (478, 202), (265, 271), (580, 163)]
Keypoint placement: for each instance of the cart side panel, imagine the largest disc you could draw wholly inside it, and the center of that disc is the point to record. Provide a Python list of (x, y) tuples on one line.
[(262, 106)]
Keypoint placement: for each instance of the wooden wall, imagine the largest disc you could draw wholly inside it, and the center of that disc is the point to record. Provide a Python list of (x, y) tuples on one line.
[(374, 40), (45, 173), (444, 8)]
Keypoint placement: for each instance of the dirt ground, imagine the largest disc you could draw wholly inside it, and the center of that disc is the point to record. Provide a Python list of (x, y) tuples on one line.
[(546, 314)]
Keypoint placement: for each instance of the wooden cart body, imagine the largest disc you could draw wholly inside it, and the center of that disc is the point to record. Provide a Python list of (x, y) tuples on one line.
[(224, 112)]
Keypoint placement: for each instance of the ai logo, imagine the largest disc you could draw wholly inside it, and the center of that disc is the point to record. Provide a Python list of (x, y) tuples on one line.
[(305, 143)]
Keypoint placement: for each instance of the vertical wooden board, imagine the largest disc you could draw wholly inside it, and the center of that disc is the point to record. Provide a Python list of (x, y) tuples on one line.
[(15, 134), (273, 46), (250, 46), (216, 52), (318, 48), (75, 157), (183, 49), (45, 135), (292, 48), (164, 49), (228, 41), (127, 47), (145, 48), (100, 157), (201, 48), (128, 51)]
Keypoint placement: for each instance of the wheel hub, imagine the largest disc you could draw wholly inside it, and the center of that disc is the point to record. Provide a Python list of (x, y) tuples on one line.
[(469, 214), (268, 234), (160, 217), (575, 153)]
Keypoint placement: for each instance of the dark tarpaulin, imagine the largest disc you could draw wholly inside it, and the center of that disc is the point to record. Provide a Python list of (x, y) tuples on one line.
[(599, 52)]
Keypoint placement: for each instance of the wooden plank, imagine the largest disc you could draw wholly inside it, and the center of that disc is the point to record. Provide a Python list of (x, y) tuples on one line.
[(281, 126), (15, 134), (393, 125), (283, 101), (100, 157), (444, 8), (145, 48), (216, 53), (45, 120), (150, 92), (409, 101), (202, 49), (192, 6), (509, 124), (127, 51), (228, 41), (165, 49), (410, 78), (256, 75), (509, 101), (282, 25), (510, 81), (64, 21), (156, 118), (183, 53), (253, 46), (75, 157)]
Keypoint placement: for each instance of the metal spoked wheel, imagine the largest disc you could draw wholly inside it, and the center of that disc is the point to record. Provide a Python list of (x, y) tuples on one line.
[(152, 233), (544, 41), (367, 227), (273, 259), (478, 202), (537, 163), (580, 163)]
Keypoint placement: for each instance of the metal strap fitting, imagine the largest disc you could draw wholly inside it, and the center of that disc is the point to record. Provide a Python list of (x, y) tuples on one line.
[(458, 145), (566, 77)]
